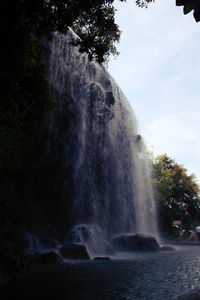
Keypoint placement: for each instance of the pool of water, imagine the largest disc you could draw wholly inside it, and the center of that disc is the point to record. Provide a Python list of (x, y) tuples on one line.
[(150, 276)]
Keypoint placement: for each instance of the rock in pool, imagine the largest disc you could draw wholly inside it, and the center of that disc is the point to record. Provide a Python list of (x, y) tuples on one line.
[(50, 257), (102, 258), (167, 248), (137, 242), (74, 251)]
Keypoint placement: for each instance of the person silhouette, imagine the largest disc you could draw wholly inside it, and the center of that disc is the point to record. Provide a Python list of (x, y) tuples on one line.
[(197, 230)]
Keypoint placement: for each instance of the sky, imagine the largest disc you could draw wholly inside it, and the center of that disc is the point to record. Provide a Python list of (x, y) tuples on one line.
[(158, 70)]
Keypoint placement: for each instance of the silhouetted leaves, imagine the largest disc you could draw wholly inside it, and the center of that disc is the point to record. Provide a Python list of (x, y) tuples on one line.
[(177, 193), (190, 5), (143, 3)]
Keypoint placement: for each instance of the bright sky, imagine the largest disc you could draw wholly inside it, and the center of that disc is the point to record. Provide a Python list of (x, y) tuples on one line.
[(158, 70)]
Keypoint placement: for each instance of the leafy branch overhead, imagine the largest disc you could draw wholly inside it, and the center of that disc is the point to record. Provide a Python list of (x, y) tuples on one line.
[(190, 5), (143, 3)]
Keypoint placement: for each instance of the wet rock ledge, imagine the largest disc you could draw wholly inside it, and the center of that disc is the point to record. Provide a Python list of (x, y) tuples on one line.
[(191, 296)]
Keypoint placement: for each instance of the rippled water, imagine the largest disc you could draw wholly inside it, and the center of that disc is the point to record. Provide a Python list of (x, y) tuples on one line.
[(153, 276)]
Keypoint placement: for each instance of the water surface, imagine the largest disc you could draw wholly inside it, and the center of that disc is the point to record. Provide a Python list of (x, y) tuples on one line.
[(152, 276)]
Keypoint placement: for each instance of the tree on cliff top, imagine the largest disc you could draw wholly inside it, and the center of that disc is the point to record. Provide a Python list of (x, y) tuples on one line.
[(93, 20)]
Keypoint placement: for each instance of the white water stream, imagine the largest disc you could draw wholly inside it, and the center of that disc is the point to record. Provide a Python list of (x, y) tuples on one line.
[(112, 188)]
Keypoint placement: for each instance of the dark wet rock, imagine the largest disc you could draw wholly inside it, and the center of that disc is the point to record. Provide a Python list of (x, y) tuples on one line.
[(52, 243), (81, 233), (49, 242), (138, 138), (137, 242), (102, 258), (74, 251), (32, 256), (24, 242), (85, 234), (13, 261), (50, 257), (110, 100), (167, 248), (195, 295)]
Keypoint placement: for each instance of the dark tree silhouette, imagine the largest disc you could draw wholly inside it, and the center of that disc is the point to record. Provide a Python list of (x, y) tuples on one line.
[(190, 5)]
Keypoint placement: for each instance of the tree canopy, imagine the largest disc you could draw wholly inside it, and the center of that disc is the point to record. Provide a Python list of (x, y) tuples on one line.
[(178, 194), (188, 6), (94, 22), (143, 3)]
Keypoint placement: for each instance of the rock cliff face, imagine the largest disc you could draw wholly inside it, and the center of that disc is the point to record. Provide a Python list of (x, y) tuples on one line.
[(89, 174), (103, 173)]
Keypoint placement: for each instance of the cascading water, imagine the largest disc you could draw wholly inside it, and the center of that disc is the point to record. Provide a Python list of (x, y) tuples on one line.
[(110, 182)]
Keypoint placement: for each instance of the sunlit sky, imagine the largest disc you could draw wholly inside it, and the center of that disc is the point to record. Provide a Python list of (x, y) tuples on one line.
[(158, 70)]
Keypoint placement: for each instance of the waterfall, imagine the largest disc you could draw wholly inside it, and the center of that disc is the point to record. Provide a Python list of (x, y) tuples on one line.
[(104, 163)]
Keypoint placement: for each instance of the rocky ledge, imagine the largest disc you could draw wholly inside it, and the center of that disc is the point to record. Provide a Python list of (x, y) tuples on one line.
[(136, 242)]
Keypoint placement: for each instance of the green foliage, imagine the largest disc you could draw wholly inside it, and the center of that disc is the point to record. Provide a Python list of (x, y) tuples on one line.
[(98, 35), (178, 194), (190, 5), (93, 20), (143, 3)]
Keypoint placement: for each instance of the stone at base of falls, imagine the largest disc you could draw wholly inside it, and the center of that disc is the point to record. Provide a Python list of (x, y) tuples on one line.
[(167, 248), (74, 251), (102, 258), (50, 257), (194, 295), (13, 261), (137, 242)]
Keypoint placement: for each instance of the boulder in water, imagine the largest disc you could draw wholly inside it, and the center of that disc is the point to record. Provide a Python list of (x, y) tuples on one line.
[(167, 248), (137, 242), (13, 261), (81, 233), (74, 251), (102, 258), (50, 257)]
